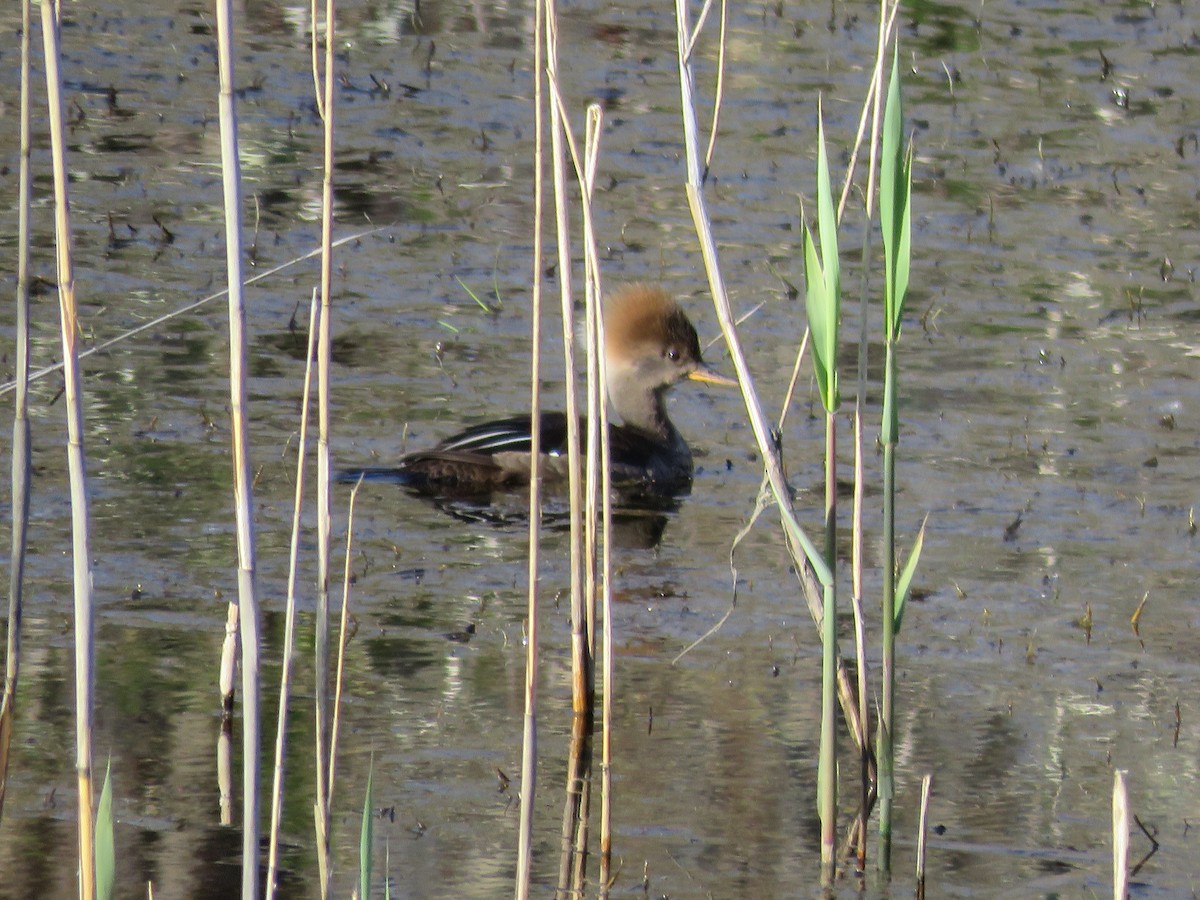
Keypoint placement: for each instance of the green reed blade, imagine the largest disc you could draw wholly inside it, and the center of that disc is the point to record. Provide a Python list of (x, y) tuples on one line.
[(895, 188), (823, 282), (106, 853), (904, 583), (364, 841)]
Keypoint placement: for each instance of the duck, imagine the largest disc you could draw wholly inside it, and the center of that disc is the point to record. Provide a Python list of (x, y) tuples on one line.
[(650, 346)]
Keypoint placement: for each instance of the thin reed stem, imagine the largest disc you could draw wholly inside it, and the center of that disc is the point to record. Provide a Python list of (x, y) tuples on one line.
[(76, 458), (343, 640), (248, 616), (860, 635), (597, 456), (886, 29), (324, 762), (582, 637), (289, 628), (21, 465), (830, 656), (719, 91), (598, 436), (154, 323), (529, 733), (895, 220)]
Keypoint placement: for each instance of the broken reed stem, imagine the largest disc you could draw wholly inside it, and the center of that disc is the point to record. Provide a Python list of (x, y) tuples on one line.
[(289, 628), (1120, 835), (228, 672), (76, 459), (324, 790), (529, 732), (922, 832), (248, 615), (21, 466)]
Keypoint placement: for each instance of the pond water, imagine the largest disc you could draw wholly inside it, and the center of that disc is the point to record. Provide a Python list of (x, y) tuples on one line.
[(1047, 364)]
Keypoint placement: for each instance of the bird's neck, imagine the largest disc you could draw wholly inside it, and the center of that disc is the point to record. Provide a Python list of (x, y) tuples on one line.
[(642, 409)]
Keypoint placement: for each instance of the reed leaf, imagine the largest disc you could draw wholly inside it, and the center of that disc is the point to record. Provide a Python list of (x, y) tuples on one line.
[(895, 188), (364, 841), (904, 583), (823, 282), (106, 848)]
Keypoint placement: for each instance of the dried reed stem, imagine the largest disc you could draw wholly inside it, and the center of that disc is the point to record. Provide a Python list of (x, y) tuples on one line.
[(598, 486), (228, 673), (719, 91), (20, 445), (343, 640), (598, 438), (800, 546), (887, 22), (248, 614), (583, 632), (76, 459), (582, 636), (529, 734), (324, 764), (922, 833), (1120, 835), (289, 628)]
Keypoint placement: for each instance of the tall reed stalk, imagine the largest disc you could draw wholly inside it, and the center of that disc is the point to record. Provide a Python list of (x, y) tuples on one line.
[(599, 486), (582, 623), (822, 278), (248, 613), (815, 569), (815, 575), (325, 94), (596, 512), (812, 570), (895, 221), (20, 445), (529, 731), (76, 459)]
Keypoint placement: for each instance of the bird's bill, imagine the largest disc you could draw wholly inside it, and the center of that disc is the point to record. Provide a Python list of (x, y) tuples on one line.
[(708, 376)]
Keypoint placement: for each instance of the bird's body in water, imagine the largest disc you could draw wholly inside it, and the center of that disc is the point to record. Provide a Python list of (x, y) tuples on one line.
[(650, 345)]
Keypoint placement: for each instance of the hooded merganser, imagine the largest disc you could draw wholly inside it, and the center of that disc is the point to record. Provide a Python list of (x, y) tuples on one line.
[(649, 346)]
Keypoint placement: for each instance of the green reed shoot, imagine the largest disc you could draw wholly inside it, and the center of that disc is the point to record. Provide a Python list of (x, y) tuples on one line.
[(823, 302), (106, 852), (365, 838), (894, 194)]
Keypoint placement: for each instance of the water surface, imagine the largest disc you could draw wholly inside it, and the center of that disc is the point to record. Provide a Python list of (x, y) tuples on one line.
[(1047, 367)]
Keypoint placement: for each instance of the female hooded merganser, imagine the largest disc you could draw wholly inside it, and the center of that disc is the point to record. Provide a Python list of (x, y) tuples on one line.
[(649, 346)]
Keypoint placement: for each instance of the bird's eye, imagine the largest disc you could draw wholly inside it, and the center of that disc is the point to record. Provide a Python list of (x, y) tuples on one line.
[(673, 354)]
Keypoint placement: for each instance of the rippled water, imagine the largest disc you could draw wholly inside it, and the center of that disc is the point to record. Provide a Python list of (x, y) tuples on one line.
[(1047, 373)]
